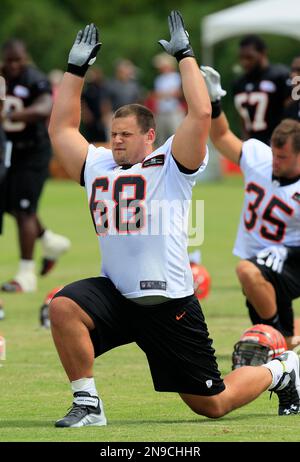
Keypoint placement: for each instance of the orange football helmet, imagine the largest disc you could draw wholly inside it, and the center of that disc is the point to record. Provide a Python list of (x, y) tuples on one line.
[(201, 279), (258, 345)]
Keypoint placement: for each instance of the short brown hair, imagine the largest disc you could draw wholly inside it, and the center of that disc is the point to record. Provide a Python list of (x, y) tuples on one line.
[(287, 129), (144, 116)]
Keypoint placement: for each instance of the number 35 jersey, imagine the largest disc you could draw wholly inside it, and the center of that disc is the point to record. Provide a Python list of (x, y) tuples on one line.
[(140, 214), (271, 212)]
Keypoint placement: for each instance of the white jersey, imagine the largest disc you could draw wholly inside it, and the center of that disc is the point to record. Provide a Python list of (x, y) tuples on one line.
[(271, 213), (141, 218)]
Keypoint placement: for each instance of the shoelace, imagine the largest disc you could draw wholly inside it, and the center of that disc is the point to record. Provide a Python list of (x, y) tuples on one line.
[(76, 410)]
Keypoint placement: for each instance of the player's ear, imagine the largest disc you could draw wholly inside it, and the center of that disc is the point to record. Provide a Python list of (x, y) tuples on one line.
[(151, 135)]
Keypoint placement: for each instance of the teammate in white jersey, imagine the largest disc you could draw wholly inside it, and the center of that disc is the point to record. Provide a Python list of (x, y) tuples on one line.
[(145, 294), (268, 239)]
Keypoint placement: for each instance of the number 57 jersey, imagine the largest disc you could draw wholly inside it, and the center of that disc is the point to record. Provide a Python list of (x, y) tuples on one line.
[(271, 210), (140, 214)]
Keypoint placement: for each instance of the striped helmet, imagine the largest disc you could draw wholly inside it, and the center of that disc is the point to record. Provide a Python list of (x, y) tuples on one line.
[(258, 345)]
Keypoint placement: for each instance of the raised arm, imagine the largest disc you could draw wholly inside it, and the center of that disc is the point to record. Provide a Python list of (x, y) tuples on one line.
[(189, 143), (220, 134), (69, 145)]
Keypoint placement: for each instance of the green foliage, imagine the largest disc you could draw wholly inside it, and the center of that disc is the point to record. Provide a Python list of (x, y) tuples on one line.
[(47, 29), (128, 29)]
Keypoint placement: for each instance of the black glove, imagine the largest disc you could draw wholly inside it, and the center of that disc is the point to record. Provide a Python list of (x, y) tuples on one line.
[(84, 50), (179, 45)]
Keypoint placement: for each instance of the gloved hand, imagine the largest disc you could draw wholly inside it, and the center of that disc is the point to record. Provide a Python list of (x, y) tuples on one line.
[(84, 50), (179, 45), (273, 257), (213, 82)]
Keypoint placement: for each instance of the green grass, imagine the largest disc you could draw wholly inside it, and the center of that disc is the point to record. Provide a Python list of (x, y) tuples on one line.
[(34, 390)]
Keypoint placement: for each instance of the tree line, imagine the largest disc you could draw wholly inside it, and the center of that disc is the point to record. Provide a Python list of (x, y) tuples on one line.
[(128, 29)]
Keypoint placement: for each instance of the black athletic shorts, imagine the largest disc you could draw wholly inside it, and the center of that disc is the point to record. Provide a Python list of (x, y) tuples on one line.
[(173, 335), (287, 288), (23, 188)]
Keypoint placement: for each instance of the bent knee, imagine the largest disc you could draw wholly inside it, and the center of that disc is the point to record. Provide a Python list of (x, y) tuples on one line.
[(59, 309), (247, 272), (213, 412), (208, 406), (64, 311)]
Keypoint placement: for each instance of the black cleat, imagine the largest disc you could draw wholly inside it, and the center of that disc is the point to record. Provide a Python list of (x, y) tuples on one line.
[(288, 388), (46, 266), (11, 286)]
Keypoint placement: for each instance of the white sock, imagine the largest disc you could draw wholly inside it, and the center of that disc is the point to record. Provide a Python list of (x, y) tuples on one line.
[(86, 384), (276, 368), (26, 265), (45, 234)]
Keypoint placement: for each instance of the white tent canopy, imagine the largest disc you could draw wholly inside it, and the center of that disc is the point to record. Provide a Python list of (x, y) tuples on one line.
[(280, 17)]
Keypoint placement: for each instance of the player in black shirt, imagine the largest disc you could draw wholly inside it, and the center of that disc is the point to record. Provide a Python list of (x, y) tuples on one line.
[(292, 110), (2, 152), (27, 106), (96, 107), (2, 168), (261, 92)]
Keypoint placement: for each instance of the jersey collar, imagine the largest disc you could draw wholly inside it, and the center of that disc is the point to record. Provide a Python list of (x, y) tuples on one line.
[(285, 181)]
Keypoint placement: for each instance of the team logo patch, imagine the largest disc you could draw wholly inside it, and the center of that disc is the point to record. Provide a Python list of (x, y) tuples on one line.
[(24, 203), (268, 86), (296, 197), (21, 92), (154, 161), (249, 87), (42, 85)]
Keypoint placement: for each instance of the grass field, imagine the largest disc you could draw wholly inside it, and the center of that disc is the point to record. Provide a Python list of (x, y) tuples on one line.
[(34, 390)]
